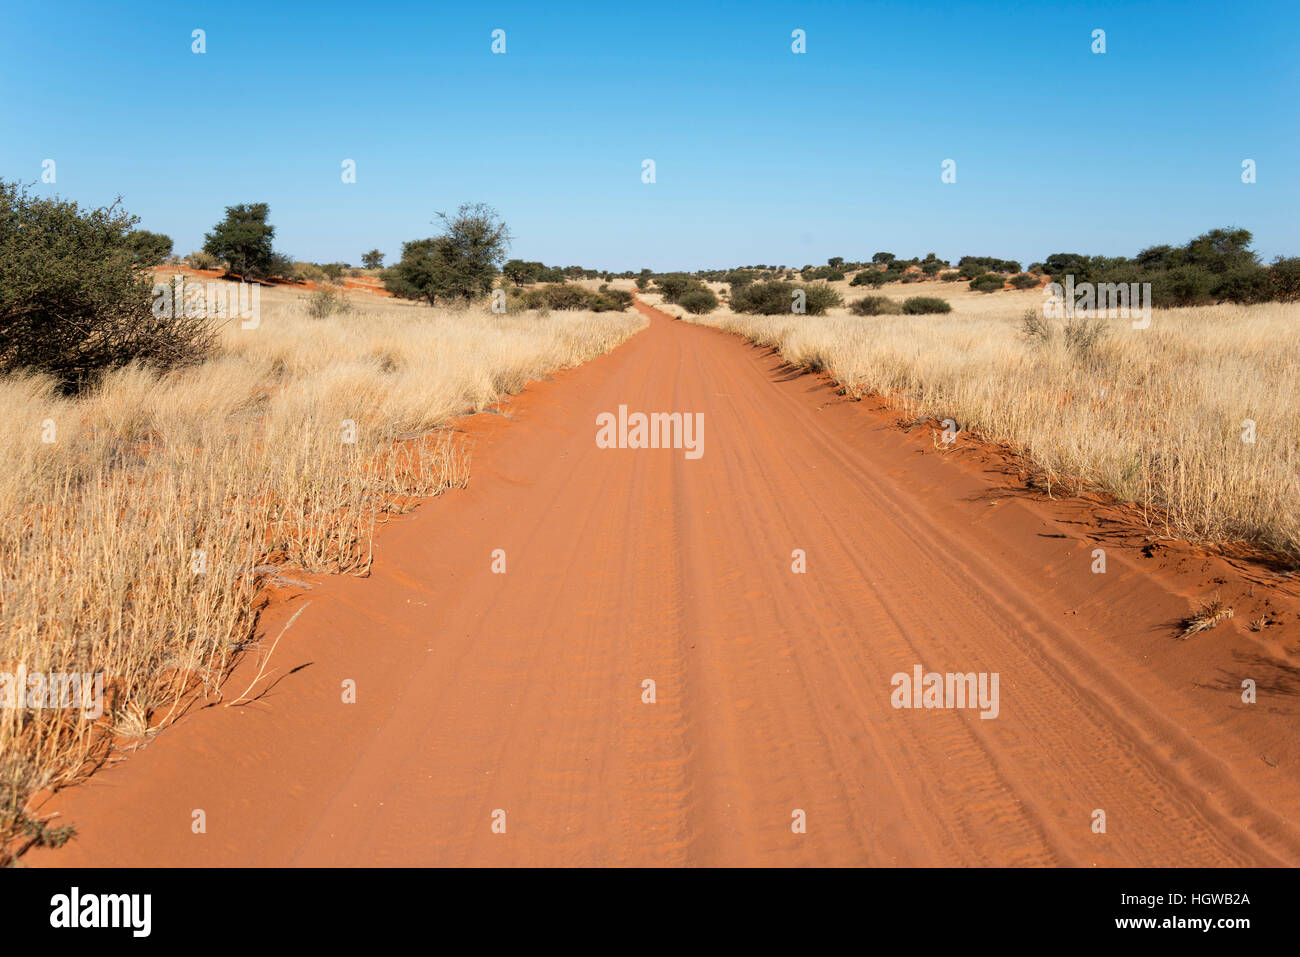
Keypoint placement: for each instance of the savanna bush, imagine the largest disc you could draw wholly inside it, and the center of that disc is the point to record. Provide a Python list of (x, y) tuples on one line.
[(989, 282), (1244, 286), (1285, 275), (75, 300), (875, 306), (925, 306), (699, 301), (568, 296), (775, 297)]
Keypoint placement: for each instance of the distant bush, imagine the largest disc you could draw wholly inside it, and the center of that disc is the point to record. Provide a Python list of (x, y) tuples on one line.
[(1285, 276), (1183, 286), (739, 278), (567, 296), (151, 249), (699, 301), (1024, 281), (326, 302), (950, 276), (821, 297), (925, 306), (986, 264), (675, 285), (1217, 266), (872, 277), (333, 271), (1244, 286), (458, 265), (989, 282), (75, 300), (875, 306), (774, 297), (202, 260), (243, 239), (283, 266)]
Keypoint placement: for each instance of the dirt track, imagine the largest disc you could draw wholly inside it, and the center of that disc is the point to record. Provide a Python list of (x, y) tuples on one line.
[(523, 691)]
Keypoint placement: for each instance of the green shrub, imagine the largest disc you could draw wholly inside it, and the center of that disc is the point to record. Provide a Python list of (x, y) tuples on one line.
[(282, 266), (1244, 286), (1024, 281), (774, 298), (1184, 286), (75, 300), (151, 249), (875, 306), (243, 239), (739, 278), (1285, 276), (925, 306), (699, 301), (950, 276), (202, 260), (458, 265), (820, 297), (989, 282), (326, 302), (566, 296), (672, 287)]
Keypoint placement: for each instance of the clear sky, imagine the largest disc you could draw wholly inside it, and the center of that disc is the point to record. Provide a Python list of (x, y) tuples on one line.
[(762, 155)]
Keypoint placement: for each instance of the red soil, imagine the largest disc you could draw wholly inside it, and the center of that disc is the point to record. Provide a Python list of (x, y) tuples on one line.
[(522, 692)]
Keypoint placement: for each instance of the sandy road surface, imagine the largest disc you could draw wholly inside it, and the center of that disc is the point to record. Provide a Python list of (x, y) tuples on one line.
[(522, 692)]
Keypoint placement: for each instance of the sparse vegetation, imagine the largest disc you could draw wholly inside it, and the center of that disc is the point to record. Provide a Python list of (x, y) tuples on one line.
[(1080, 403), (239, 458)]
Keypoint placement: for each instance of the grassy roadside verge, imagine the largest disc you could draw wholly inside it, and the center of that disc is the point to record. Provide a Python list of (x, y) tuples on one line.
[(142, 516)]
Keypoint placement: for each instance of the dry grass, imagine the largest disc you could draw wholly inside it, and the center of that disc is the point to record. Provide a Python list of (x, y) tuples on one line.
[(1208, 615), (244, 460), (1153, 416)]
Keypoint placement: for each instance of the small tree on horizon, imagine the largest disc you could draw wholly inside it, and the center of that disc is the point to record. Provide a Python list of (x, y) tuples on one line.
[(151, 249), (243, 239), (459, 265), (373, 259)]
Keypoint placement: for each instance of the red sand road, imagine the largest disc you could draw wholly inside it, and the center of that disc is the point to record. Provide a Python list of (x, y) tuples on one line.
[(522, 691)]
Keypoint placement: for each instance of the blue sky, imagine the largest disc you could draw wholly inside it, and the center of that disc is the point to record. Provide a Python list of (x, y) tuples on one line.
[(762, 155)]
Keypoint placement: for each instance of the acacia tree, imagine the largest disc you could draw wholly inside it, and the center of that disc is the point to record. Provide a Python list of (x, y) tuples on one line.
[(373, 259), (459, 265), (243, 239), (151, 249)]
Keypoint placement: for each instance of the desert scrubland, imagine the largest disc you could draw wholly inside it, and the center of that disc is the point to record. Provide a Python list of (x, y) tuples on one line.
[(145, 515)]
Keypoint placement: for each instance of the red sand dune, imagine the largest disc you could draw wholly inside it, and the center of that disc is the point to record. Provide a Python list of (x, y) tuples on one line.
[(522, 692), (356, 283)]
